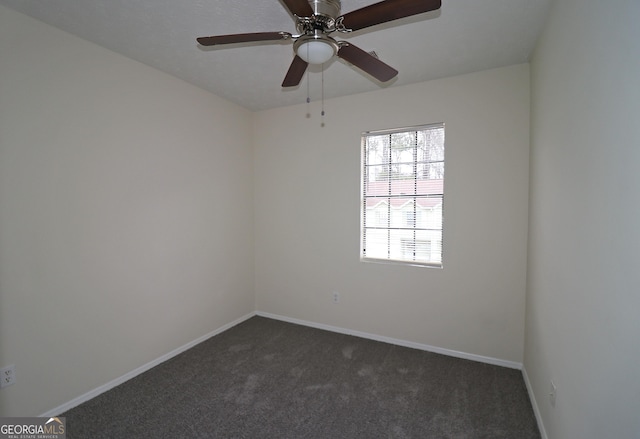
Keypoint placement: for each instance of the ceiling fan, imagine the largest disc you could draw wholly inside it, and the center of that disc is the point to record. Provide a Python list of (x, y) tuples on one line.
[(316, 20)]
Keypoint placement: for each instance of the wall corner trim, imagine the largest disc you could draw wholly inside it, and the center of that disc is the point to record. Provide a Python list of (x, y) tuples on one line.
[(534, 404)]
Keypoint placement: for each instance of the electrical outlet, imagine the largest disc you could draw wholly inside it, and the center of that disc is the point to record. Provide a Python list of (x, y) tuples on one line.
[(552, 394), (7, 376), (336, 297)]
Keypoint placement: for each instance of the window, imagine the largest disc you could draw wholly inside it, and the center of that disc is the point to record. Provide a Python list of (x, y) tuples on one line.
[(403, 195)]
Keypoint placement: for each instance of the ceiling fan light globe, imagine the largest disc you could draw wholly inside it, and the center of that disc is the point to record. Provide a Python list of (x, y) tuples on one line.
[(316, 51)]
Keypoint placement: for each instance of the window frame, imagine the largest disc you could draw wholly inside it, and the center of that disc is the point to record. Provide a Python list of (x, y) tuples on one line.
[(435, 242)]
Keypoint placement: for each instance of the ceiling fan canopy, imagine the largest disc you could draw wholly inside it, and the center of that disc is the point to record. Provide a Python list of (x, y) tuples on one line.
[(316, 20)]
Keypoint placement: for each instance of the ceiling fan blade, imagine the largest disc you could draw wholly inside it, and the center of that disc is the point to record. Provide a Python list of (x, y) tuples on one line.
[(243, 38), (300, 8), (295, 73), (387, 10), (367, 62)]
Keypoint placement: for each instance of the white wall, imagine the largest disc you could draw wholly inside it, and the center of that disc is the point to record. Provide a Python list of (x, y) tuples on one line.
[(583, 298), (307, 217), (125, 214)]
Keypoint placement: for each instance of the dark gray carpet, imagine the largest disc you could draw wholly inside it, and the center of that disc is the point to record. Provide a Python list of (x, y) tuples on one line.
[(269, 379)]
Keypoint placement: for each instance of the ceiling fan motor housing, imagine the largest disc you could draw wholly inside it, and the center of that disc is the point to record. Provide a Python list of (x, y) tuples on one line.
[(325, 13), (329, 8)]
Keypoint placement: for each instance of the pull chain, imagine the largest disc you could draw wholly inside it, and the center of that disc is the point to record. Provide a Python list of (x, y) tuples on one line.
[(308, 93), (322, 112)]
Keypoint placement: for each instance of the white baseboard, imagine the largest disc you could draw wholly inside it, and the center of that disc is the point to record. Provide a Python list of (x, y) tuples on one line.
[(404, 343), (534, 404), (126, 377)]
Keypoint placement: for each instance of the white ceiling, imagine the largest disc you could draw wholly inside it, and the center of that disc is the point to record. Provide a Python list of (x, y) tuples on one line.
[(463, 36)]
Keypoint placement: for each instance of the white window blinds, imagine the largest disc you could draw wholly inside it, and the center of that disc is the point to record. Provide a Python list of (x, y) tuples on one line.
[(403, 195)]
